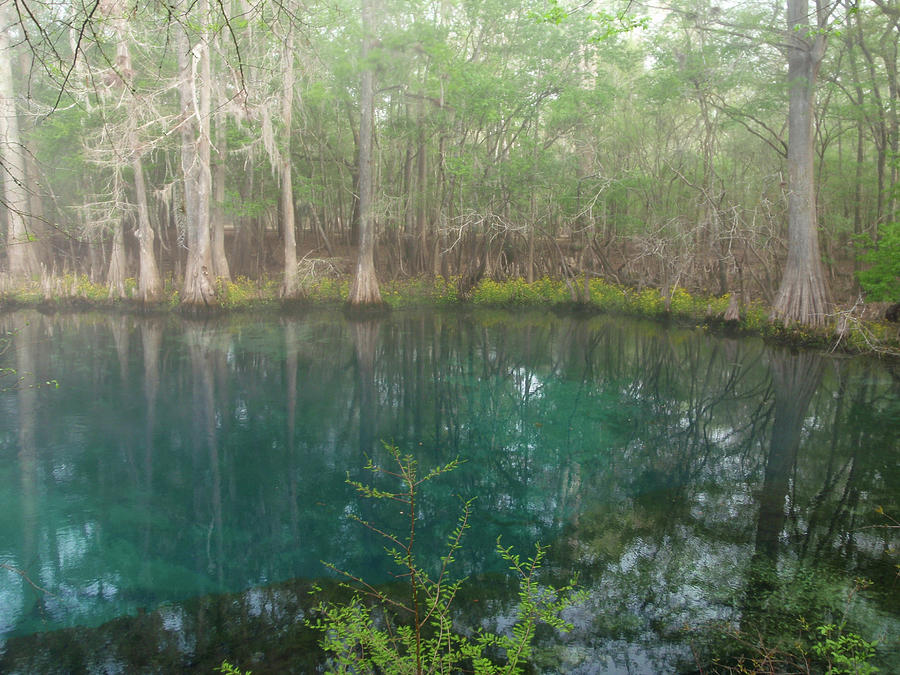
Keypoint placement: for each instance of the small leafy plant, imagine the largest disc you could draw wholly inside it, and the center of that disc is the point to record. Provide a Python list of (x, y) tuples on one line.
[(415, 634), (844, 652), (230, 669), (881, 278), (791, 643)]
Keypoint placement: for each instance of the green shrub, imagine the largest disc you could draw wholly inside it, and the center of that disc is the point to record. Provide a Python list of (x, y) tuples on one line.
[(648, 302), (420, 292), (519, 293), (844, 652), (881, 281), (788, 626), (607, 296), (755, 317), (243, 293), (415, 633), (328, 290), (446, 291), (682, 303), (490, 292), (713, 306)]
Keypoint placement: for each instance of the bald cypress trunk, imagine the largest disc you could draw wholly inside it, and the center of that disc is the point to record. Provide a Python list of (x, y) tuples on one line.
[(149, 281), (23, 261), (220, 260), (364, 291), (194, 93), (803, 296), (115, 277), (291, 286)]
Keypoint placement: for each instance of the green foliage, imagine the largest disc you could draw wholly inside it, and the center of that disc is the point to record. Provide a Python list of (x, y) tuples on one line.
[(834, 652), (610, 297), (230, 669), (438, 292), (844, 652), (682, 303), (328, 290), (174, 299), (754, 317), (243, 293), (381, 633), (604, 296), (63, 289), (83, 287), (716, 306), (648, 302), (881, 281), (779, 636), (28, 293), (554, 14), (517, 293), (609, 24)]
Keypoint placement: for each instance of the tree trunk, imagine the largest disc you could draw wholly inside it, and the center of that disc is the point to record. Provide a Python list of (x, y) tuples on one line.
[(194, 93), (36, 223), (115, 278), (220, 260), (23, 261), (890, 67), (291, 286), (529, 261), (149, 282), (879, 122), (803, 296), (421, 264), (364, 291)]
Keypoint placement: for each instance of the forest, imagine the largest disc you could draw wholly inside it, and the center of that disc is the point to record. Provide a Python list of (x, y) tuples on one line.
[(746, 148)]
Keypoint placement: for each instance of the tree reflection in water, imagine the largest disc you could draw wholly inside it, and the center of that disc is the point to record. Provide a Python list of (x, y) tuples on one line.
[(689, 479)]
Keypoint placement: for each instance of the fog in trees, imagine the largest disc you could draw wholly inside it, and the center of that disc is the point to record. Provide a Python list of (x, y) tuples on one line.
[(747, 149)]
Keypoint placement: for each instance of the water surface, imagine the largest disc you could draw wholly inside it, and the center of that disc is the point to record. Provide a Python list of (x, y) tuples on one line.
[(169, 489)]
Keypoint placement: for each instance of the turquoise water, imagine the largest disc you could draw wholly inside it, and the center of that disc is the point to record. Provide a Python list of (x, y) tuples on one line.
[(169, 489)]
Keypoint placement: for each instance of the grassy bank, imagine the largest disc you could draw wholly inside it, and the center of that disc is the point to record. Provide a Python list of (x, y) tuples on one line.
[(854, 336)]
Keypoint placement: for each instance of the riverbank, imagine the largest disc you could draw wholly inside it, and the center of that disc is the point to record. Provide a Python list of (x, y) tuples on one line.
[(849, 330)]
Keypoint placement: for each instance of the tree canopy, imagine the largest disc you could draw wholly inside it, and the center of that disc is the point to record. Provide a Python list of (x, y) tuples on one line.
[(188, 142)]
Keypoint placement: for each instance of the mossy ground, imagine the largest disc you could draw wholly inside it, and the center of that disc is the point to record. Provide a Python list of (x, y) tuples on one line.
[(243, 294)]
